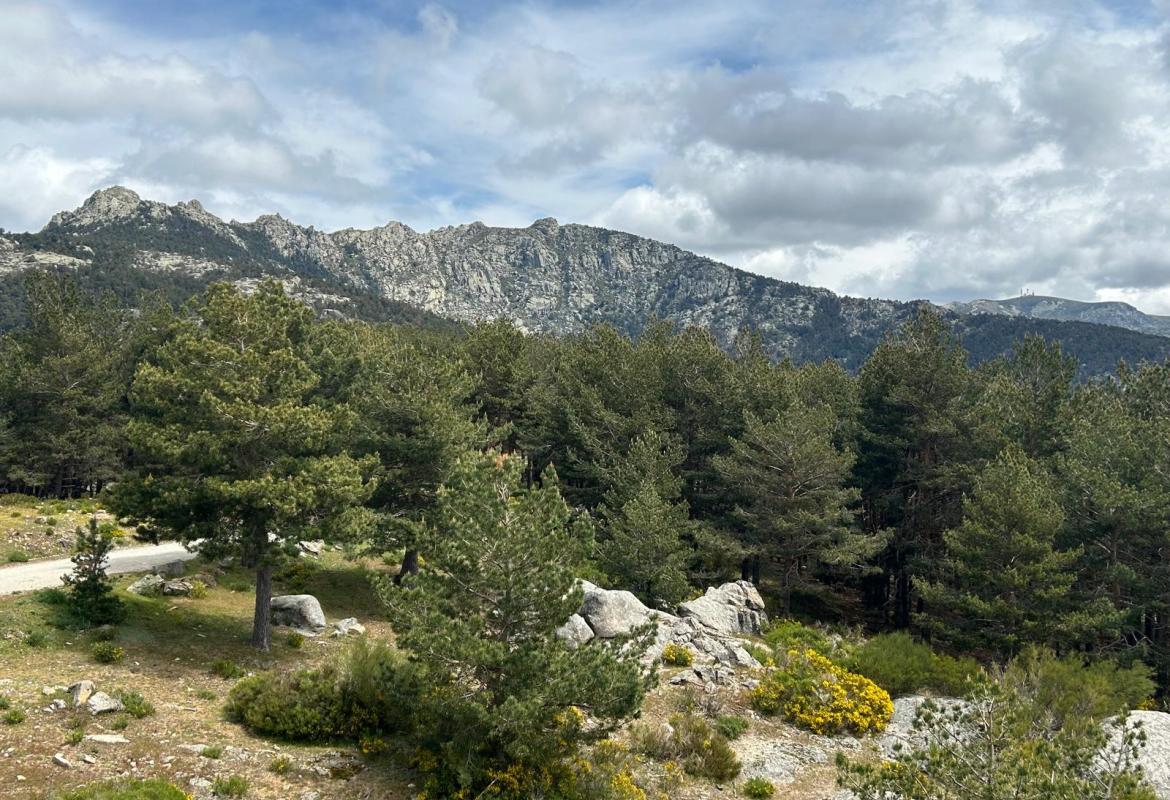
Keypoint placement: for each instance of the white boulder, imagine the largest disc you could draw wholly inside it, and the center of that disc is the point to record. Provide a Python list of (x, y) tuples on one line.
[(730, 609), (301, 612)]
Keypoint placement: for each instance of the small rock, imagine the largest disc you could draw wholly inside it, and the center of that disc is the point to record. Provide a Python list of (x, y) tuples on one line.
[(80, 692), (88, 759), (172, 569), (107, 738), (56, 705), (348, 626), (49, 691), (61, 761), (313, 548), (177, 588), (102, 703), (147, 586)]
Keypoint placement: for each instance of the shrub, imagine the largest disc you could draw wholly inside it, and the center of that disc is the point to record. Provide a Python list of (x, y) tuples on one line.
[(17, 499), (365, 694), (235, 786), (75, 736), (306, 705), (758, 788), (788, 634), (901, 666), (105, 633), (211, 751), (153, 789), (14, 716), (281, 765), (295, 640), (691, 741), (228, 670), (121, 723), (731, 727), (36, 638), (198, 590), (136, 705), (107, 653), (5, 703), (677, 655), (17, 557), (52, 597), (812, 692), (206, 694)]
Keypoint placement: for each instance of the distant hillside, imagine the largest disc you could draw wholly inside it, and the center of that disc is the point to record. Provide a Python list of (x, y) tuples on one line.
[(1121, 315), (546, 277)]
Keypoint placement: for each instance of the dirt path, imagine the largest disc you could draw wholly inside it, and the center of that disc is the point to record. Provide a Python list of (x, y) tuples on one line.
[(47, 574)]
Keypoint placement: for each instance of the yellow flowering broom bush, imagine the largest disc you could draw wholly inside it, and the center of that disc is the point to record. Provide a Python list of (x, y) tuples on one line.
[(812, 692)]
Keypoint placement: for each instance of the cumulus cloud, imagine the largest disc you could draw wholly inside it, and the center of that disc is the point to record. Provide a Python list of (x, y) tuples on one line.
[(947, 150)]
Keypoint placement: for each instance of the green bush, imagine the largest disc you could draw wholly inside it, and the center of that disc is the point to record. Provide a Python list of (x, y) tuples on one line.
[(121, 723), (75, 736), (127, 790), (281, 765), (901, 665), (105, 633), (136, 705), (14, 716), (52, 597), (1069, 688), (107, 653), (295, 640), (228, 670), (305, 705), (812, 692), (17, 499), (758, 788), (36, 638), (692, 742), (17, 557), (5, 703), (366, 692), (198, 590), (788, 634), (731, 727), (212, 751), (235, 786)]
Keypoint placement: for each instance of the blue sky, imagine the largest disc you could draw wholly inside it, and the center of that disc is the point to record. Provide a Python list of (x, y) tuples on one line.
[(947, 149)]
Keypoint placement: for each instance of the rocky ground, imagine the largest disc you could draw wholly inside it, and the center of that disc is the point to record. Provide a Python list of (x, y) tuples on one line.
[(32, 529)]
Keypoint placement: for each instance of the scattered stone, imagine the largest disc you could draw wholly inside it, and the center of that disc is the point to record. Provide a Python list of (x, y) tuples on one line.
[(102, 703), (732, 608), (61, 761), (341, 766), (107, 738), (312, 548), (57, 705), (80, 692), (348, 626), (172, 569), (301, 612), (177, 588), (146, 586), (88, 759), (575, 632), (49, 691)]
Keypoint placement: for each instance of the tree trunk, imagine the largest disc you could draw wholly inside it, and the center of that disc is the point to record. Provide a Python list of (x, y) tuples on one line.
[(745, 572), (409, 565), (260, 619), (902, 599)]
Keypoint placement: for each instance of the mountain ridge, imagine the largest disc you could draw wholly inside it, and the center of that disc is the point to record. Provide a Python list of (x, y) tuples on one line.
[(548, 277)]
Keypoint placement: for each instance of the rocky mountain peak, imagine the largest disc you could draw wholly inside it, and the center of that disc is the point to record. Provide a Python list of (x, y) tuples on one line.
[(101, 207)]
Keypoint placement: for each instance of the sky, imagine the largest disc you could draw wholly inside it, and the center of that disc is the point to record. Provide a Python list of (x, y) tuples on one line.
[(947, 150)]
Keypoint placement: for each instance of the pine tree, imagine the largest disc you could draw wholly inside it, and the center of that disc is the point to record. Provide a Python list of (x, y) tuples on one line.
[(644, 525), (1005, 582), (91, 592), (796, 507), (481, 619), (236, 446)]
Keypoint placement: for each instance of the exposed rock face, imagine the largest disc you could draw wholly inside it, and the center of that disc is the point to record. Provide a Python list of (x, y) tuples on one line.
[(1117, 314), (729, 609), (575, 632), (1154, 757), (147, 586), (301, 612), (609, 613)]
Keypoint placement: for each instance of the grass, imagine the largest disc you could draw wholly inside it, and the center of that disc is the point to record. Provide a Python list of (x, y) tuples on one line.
[(212, 751), (136, 705), (14, 716), (17, 557), (281, 765), (128, 790), (234, 786)]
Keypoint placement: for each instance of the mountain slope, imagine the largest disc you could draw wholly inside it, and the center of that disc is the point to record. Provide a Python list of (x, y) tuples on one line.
[(547, 277), (1121, 315)]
